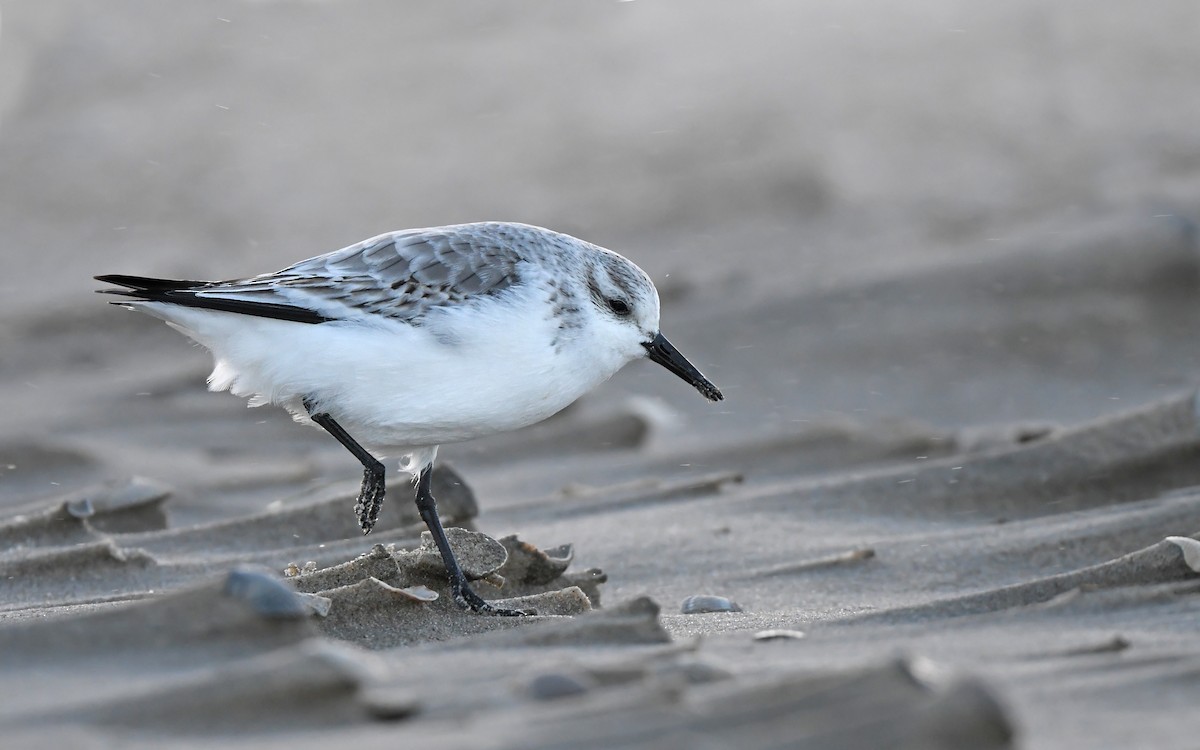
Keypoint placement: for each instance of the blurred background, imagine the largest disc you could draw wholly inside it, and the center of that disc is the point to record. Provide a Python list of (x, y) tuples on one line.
[(787, 144), (951, 212)]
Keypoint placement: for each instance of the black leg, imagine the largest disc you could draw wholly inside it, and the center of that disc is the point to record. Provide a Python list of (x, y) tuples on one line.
[(463, 595), (370, 497)]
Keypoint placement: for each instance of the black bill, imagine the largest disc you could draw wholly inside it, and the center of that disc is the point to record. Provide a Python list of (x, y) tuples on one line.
[(669, 357)]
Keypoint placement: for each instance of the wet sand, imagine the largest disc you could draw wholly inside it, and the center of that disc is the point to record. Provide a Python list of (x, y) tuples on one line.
[(947, 285)]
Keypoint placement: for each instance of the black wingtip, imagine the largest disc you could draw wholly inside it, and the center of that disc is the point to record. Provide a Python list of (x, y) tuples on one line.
[(147, 283), (187, 294)]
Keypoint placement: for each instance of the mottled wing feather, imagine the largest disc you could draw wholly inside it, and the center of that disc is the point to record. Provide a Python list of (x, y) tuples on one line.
[(402, 275)]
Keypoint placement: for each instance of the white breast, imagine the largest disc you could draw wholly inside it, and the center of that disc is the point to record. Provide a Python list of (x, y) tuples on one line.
[(462, 374)]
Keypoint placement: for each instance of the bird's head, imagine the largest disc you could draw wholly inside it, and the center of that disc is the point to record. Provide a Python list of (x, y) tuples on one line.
[(626, 311)]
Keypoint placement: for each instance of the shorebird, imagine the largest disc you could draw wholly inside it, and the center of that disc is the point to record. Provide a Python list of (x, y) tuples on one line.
[(422, 337)]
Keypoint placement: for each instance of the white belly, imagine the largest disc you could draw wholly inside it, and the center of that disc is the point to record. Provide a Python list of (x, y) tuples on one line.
[(396, 385)]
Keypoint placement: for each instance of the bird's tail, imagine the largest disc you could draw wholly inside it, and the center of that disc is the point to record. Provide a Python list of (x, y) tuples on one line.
[(205, 295), (146, 289)]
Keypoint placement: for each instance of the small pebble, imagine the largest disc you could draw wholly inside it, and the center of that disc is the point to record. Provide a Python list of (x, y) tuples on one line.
[(81, 508), (701, 603), (555, 685), (265, 593)]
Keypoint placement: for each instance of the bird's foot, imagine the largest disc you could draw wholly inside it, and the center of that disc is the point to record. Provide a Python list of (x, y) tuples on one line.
[(370, 497), (465, 598)]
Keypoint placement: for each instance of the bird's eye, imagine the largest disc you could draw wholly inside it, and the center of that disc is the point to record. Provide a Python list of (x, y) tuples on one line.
[(619, 306)]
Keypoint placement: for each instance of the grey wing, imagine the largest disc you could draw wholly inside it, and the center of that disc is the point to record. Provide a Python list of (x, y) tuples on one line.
[(400, 275)]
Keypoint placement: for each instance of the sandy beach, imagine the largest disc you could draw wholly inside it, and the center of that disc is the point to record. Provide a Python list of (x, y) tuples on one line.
[(942, 260)]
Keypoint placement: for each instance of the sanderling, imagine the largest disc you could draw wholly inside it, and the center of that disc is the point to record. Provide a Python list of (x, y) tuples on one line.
[(417, 338)]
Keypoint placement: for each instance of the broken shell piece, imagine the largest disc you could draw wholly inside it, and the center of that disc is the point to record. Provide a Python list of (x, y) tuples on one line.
[(292, 570), (413, 593), (560, 556), (701, 603), (1190, 549), (530, 566), (777, 634)]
